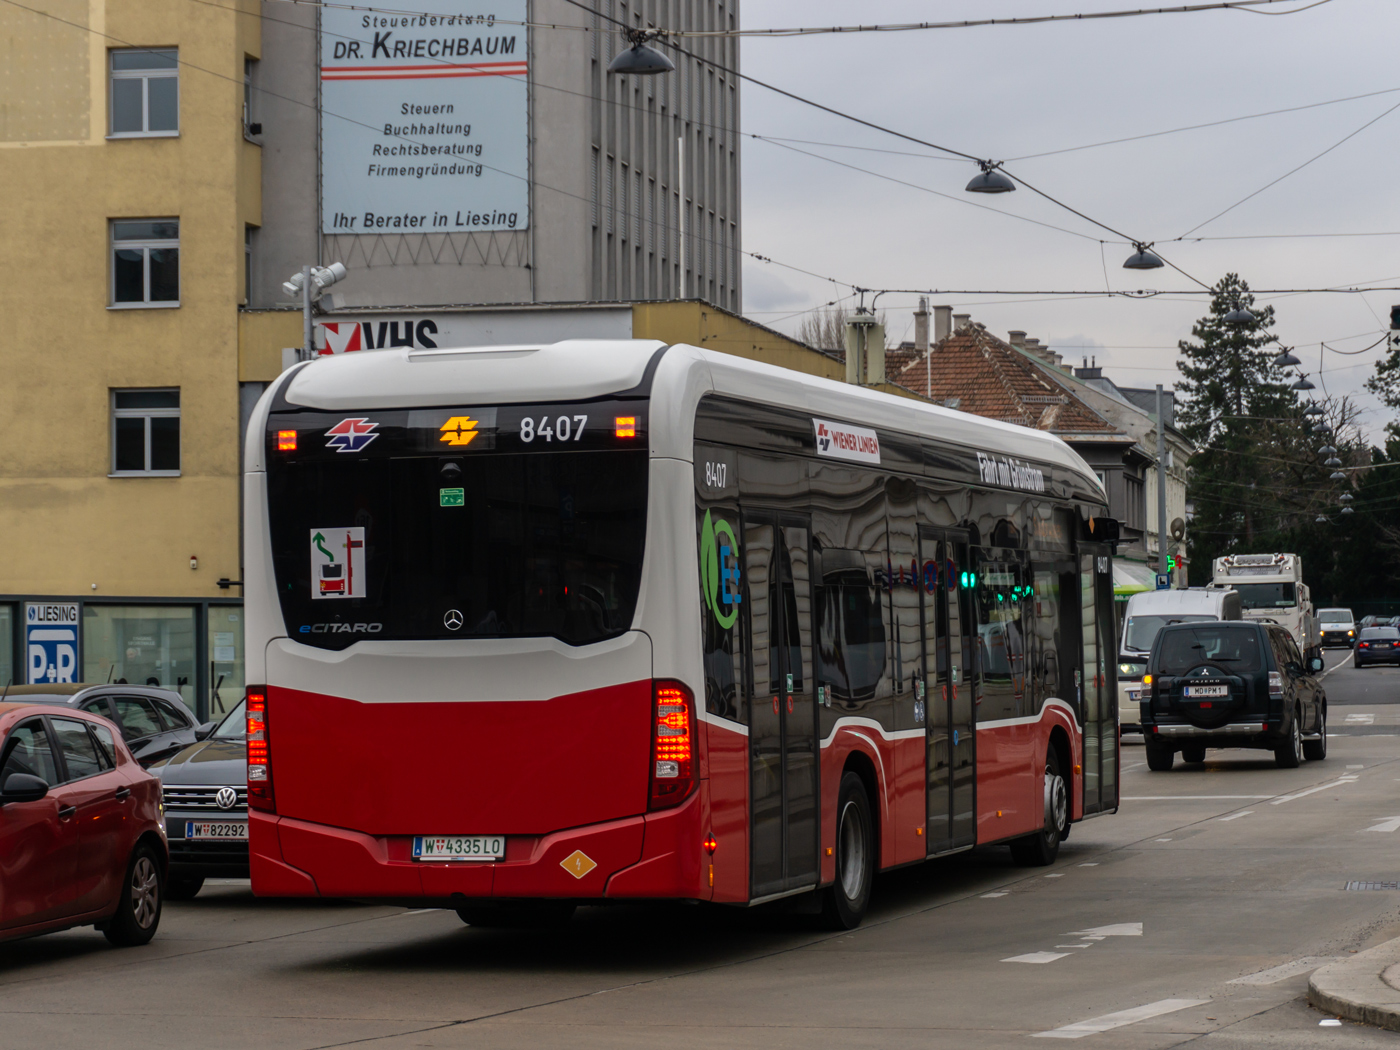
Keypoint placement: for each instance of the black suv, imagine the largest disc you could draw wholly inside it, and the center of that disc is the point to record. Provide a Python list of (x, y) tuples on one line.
[(1231, 684)]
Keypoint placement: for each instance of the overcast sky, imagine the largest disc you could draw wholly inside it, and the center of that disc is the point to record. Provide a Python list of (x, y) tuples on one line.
[(1010, 91)]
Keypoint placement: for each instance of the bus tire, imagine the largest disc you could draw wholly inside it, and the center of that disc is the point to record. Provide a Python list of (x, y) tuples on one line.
[(1160, 757), (1041, 848), (518, 915), (847, 898)]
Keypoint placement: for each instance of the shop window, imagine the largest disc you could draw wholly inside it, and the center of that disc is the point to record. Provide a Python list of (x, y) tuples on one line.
[(7, 643), (146, 263), (225, 658), (141, 645), (145, 92), (146, 433)]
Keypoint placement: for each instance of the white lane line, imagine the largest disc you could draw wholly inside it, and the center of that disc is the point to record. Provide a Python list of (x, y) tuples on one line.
[(1274, 974), (1192, 798), (1090, 945), (1037, 957), (1164, 840), (1356, 767), (1358, 719), (1135, 765), (1387, 824), (1056, 875), (989, 896), (1095, 864), (1236, 816), (1310, 791), (1117, 929), (1107, 1022)]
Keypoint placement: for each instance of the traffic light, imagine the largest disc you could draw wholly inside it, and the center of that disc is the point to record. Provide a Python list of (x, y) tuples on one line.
[(1171, 563), (1395, 316)]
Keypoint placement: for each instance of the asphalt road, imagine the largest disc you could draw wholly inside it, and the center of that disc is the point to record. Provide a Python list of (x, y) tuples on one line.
[(1192, 916)]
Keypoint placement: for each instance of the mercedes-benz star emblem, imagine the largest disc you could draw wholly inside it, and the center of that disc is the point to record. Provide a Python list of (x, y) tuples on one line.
[(227, 798), (452, 620)]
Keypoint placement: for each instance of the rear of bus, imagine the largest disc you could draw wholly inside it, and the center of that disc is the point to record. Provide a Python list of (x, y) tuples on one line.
[(445, 565)]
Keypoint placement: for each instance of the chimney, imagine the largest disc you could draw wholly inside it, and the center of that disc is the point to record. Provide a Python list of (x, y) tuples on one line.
[(961, 321), (921, 326), (942, 322), (1017, 339)]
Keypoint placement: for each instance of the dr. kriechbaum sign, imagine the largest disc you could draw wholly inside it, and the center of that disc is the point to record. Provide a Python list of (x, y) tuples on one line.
[(424, 120)]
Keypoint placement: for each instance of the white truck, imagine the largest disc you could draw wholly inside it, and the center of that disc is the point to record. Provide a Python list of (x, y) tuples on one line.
[(1271, 588)]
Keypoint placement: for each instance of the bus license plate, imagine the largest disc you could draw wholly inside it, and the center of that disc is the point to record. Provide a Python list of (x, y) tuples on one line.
[(217, 829), (1194, 691), (459, 847)]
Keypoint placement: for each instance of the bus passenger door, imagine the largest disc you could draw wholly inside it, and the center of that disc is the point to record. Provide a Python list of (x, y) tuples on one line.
[(1097, 683), (782, 717), (951, 740)]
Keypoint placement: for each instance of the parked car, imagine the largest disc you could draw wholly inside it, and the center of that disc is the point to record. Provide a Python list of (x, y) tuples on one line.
[(1338, 627), (1148, 613), (81, 839), (155, 722), (205, 788), (1377, 645), (1232, 684)]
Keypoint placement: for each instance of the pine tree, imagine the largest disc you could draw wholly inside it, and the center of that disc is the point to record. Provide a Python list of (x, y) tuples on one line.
[(1385, 384), (1238, 409)]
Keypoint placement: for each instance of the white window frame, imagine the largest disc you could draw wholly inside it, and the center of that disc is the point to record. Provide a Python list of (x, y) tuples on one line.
[(144, 75), (147, 414), (144, 246)]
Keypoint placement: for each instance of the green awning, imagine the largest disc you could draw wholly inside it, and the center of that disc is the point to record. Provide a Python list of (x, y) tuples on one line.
[(1132, 577)]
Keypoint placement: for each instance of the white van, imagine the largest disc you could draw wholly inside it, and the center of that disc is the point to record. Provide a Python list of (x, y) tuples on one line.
[(1147, 614)]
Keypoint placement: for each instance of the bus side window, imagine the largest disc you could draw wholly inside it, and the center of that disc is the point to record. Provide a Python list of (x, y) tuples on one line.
[(851, 646), (720, 613)]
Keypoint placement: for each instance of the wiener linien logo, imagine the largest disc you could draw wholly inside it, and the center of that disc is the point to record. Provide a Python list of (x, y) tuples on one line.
[(719, 570)]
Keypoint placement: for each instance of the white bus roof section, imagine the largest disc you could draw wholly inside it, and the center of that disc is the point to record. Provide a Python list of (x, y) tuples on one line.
[(484, 375)]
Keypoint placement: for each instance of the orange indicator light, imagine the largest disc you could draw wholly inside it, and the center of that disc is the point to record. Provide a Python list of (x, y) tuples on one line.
[(710, 844), (626, 426), (286, 441)]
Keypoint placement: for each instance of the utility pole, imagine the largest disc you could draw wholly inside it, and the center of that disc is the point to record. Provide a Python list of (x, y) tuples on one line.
[(1161, 485)]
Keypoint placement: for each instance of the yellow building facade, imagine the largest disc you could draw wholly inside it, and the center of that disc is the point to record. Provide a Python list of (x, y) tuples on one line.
[(129, 188)]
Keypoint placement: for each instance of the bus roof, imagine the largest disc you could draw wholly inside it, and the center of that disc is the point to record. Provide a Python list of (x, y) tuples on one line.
[(579, 369)]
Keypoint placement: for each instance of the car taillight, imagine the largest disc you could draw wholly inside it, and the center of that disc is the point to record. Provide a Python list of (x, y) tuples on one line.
[(1275, 685), (673, 745), (1363, 645), (259, 754)]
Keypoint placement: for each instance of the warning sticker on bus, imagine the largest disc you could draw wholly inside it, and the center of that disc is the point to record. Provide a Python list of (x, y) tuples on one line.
[(338, 563)]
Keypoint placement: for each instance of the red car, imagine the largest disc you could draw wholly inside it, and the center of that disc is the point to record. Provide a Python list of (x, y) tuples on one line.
[(81, 836)]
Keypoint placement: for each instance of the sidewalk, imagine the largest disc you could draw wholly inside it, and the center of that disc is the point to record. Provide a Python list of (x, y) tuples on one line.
[(1365, 987)]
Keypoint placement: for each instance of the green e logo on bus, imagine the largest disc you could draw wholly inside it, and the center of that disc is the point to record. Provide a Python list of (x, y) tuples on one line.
[(718, 577)]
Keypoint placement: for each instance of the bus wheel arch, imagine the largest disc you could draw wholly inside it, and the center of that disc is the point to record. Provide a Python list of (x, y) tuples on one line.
[(1060, 745), (859, 763)]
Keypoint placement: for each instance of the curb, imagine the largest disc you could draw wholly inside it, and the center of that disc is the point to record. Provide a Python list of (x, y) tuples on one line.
[(1354, 989)]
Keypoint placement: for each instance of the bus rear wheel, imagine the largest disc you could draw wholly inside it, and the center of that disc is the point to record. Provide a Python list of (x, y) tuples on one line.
[(849, 896), (1040, 849)]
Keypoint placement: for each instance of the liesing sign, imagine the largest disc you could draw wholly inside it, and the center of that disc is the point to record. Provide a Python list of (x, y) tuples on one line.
[(424, 122), (51, 641)]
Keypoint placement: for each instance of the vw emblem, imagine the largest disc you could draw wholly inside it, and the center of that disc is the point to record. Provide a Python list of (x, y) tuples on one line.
[(452, 620), (227, 798)]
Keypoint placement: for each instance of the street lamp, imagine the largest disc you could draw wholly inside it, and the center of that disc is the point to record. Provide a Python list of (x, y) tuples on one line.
[(1143, 259), (991, 179), (309, 282), (1286, 359), (1239, 315), (639, 59), (1304, 383)]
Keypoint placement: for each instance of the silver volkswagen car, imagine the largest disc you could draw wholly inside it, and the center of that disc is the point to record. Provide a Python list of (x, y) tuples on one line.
[(205, 789)]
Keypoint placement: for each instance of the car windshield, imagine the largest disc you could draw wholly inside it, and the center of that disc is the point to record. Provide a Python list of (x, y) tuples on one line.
[(1371, 634), (1267, 595), (235, 724), (1232, 648), (1141, 631), (1334, 615)]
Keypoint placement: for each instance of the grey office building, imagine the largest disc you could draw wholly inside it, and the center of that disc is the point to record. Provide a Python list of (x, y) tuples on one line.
[(629, 189)]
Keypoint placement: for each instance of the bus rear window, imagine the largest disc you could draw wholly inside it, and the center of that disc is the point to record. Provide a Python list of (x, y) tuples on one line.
[(1233, 649), (506, 545)]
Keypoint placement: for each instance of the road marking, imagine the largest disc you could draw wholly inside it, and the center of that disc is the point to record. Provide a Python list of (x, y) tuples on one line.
[(1236, 816), (1191, 798), (1387, 824), (1074, 945), (989, 896), (1164, 840), (1321, 787), (1095, 864), (1117, 929), (1107, 1022), (1056, 875), (1135, 765), (1358, 719), (1274, 974), (1037, 957), (1356, 767)]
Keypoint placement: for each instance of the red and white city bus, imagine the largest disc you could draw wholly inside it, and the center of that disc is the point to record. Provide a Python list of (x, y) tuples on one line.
[(548, 625)]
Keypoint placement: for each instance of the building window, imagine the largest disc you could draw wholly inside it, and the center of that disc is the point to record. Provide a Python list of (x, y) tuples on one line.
[(248, 263), (145, 92), (141, 645), (225, 658), (7, 642), (146, 433), (251, 127), (146, 263)]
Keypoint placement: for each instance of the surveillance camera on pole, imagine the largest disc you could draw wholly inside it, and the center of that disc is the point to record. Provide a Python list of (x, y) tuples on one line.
[(309, 283)]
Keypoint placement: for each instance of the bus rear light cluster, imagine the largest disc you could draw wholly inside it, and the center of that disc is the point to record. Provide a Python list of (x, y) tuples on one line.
[(673, 745), (259, 752)]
